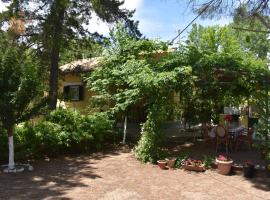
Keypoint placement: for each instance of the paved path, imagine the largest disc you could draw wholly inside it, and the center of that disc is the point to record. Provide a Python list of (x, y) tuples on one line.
[(118, 176)]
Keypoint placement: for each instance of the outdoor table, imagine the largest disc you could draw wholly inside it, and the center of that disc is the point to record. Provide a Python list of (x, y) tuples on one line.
[(234, 132)]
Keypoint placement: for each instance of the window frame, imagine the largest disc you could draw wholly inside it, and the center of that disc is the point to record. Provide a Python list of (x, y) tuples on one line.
[(67, 91)]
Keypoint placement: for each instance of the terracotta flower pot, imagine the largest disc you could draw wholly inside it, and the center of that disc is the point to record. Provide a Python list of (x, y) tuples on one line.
[(194, 168), (162, 164), (171, 162), (224, 167)]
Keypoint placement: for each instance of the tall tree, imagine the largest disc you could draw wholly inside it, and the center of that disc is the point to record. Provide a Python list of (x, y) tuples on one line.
[(20, 86), (214, 8), (52, 24), (251, 33), (219, 57)]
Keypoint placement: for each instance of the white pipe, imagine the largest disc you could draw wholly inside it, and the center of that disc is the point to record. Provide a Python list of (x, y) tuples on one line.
[(11, 163), (125, 130)]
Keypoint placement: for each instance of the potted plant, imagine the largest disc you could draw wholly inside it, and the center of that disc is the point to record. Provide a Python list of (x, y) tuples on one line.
[(224, 164), (171, 161), (194, 165), (248, 169), (162, 164)]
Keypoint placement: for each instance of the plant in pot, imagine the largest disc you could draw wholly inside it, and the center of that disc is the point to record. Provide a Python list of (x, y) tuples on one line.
[(171, 162), (224, 164), (194, 165), (208, 162), (162, 164), (180, 161), (248, 169)]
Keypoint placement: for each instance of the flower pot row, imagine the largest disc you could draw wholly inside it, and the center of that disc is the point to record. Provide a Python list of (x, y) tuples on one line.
[(223, 164)]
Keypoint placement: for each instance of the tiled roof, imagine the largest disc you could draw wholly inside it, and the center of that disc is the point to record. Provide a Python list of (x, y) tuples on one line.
[(81, 66)]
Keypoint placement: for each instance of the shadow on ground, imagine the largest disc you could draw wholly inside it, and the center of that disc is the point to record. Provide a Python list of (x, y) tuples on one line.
[(50, 179), (175, 146)]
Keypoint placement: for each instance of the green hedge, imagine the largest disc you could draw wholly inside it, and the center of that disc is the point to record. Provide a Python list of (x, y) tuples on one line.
[(62, 131)]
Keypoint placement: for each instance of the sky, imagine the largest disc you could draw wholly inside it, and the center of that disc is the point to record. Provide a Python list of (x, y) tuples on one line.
[(161, 19), (158, 19)]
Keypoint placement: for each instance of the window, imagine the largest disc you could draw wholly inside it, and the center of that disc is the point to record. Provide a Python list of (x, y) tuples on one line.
[(73, 92)]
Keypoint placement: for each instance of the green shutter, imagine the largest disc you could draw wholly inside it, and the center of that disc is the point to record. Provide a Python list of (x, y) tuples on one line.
[(66, 92), (81, 92)]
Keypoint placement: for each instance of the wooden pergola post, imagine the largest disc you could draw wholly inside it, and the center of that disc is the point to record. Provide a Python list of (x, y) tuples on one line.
[(125, 128)]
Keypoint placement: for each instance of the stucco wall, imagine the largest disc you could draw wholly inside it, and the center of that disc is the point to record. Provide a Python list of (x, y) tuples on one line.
[(81, 105)]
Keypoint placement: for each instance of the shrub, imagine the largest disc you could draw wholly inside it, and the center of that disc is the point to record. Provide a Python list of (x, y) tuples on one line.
[(74, 129), (62, 131), (34, 140), (101, 128), (147, 148)]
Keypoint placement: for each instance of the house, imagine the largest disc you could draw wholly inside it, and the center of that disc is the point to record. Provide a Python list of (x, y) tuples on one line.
[(77, 96), (72, 86)]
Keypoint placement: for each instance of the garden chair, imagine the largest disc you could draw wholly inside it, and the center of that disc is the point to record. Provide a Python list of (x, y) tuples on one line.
[(222, 138), (245, 138), (206, 137)]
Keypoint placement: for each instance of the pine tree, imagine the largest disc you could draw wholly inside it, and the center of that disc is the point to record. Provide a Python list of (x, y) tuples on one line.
[(51, 25)]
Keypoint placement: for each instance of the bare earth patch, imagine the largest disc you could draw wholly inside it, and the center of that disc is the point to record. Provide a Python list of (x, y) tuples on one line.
[(119, 176)]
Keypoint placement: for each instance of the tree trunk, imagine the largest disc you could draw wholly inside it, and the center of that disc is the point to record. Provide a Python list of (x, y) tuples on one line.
[(53, 93), (11, 163), (54, 57)]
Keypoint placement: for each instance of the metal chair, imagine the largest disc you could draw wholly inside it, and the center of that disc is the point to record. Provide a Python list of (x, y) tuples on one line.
[(205, 133), (222, 138), (244, 138)]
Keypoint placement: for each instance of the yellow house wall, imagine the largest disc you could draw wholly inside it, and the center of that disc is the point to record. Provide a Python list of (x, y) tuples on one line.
[(243, 120), (221, 119), (82, 105)]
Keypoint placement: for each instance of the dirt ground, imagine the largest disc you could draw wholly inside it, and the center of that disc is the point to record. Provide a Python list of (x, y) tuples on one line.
[(119, 176)]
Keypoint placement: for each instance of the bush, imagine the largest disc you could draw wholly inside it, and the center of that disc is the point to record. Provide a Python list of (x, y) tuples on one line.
[(147, 149), (74, 129), (62, 131), (101, 128)]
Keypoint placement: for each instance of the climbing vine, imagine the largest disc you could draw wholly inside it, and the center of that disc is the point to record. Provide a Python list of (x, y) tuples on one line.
[(138, 70)]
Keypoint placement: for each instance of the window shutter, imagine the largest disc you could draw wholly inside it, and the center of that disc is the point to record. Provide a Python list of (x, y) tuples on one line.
[(66, 92), (81, 92)]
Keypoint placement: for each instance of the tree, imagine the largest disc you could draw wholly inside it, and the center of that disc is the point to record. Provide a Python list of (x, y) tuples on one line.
[(134, 71), (52, 24), (251, 35), (227, 72), (20, 86), (80, 49), (253, 9), (144, 71)]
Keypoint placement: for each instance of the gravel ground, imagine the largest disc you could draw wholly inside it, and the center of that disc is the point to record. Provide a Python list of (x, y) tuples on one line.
[(119, 176)]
